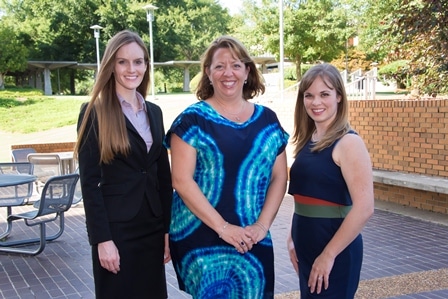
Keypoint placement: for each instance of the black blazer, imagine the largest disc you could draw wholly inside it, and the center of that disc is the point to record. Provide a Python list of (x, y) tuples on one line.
[(114, 192)]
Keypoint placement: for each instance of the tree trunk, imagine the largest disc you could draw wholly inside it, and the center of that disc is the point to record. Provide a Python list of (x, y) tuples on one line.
[(72, 82), (298, 61), (2, 81)]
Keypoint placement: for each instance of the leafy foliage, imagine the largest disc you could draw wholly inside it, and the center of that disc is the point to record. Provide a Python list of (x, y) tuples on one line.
[(372, 23), (12, 53), (314, 30), (397, 70), (191, 27), (54, 30), (354, 60), (421, 25)]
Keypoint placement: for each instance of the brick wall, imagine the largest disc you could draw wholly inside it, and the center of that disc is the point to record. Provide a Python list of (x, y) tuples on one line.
[(429, 201), (408, 136), (48, 147)]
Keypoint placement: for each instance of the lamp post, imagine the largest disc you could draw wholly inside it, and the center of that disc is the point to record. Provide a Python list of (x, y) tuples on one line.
[(282, 58), (96, 35), (150, 17)]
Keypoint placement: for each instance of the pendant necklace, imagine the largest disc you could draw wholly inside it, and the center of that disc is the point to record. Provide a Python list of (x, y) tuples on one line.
[(314, 137), (234, 115)]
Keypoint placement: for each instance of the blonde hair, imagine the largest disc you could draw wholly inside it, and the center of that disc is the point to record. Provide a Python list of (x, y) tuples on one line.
[(104, 104), (254, 85), (303, 124)]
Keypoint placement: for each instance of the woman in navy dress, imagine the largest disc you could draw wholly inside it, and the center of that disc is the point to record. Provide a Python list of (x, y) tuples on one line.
[(331, 181), (229, 175)]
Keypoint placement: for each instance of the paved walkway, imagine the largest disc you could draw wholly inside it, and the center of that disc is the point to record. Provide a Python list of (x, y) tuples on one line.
[(405, 257), (406, 250)]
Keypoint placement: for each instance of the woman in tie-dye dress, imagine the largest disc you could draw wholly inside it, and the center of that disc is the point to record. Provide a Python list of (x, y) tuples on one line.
[(229, 175)]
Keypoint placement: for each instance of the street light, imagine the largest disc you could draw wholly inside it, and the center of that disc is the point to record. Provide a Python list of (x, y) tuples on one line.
[(282, 58), (96, 34), (150, 17)]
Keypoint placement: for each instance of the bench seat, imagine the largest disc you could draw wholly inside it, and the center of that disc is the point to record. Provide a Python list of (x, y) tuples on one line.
[(411, 180)]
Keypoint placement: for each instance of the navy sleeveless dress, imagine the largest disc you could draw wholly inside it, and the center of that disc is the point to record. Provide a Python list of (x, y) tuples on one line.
[(321, 202), (233, 169)]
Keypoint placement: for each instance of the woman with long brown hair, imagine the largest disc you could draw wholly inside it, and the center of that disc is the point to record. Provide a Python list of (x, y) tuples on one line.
[(331, 181), (125, 176)]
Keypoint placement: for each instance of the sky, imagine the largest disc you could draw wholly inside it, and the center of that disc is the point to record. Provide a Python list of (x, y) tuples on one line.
[(232, 5)]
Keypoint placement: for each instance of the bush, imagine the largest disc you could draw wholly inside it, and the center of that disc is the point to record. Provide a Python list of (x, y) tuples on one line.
[(398, 71), (194, 82), (290, 74)]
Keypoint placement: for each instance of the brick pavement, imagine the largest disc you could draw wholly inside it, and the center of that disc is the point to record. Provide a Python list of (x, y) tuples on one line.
[(395, 244)]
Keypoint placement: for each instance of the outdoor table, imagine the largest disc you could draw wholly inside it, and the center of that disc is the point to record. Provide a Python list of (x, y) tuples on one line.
[(8, 180), (13, 199)]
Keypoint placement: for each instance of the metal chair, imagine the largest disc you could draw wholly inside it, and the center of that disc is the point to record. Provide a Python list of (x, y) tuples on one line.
[(77, 198), (16, 195), (21, 154), (56, 198), (46, 165)]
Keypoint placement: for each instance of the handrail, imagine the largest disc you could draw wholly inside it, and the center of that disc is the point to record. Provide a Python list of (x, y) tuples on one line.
[(295, 85)]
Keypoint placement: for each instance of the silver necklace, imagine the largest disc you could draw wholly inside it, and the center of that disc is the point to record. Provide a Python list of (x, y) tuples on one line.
[(234, 115)]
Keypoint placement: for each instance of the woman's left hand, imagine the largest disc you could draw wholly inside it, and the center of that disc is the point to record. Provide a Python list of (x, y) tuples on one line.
[(256, 233), (320, 273)]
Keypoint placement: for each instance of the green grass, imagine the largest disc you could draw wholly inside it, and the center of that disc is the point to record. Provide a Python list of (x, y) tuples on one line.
[(27, 110)]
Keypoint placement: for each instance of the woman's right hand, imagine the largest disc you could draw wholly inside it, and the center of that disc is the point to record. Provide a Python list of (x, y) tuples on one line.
[(292, 253), (109, 256)]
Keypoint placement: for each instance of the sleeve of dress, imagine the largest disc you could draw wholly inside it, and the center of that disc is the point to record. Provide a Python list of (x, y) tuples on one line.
[(283, 135), (185, 127)]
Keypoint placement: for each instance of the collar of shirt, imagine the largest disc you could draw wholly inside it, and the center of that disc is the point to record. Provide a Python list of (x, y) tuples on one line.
[(126, 105)]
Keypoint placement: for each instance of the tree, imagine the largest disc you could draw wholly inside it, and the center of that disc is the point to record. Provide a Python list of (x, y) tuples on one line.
[(421, 26), (314, 30), (371, 27), (13, 55), (56, 30), (398, 71), (244, 26), (190, 27), (183, 32)]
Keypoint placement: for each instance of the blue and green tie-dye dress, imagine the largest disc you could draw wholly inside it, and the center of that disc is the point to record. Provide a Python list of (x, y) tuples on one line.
[(233, 169)]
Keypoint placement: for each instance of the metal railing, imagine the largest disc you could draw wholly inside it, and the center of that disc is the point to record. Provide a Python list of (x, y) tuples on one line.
[(362, 87)]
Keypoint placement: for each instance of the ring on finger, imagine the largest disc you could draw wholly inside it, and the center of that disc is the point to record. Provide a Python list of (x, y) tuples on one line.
[(320, 277), (242, 243)]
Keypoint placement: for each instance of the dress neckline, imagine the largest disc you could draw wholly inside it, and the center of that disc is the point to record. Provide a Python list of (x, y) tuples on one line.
[(229, 120)]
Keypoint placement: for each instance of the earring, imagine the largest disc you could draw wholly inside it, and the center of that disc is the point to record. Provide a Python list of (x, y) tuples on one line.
[(245, 81)]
